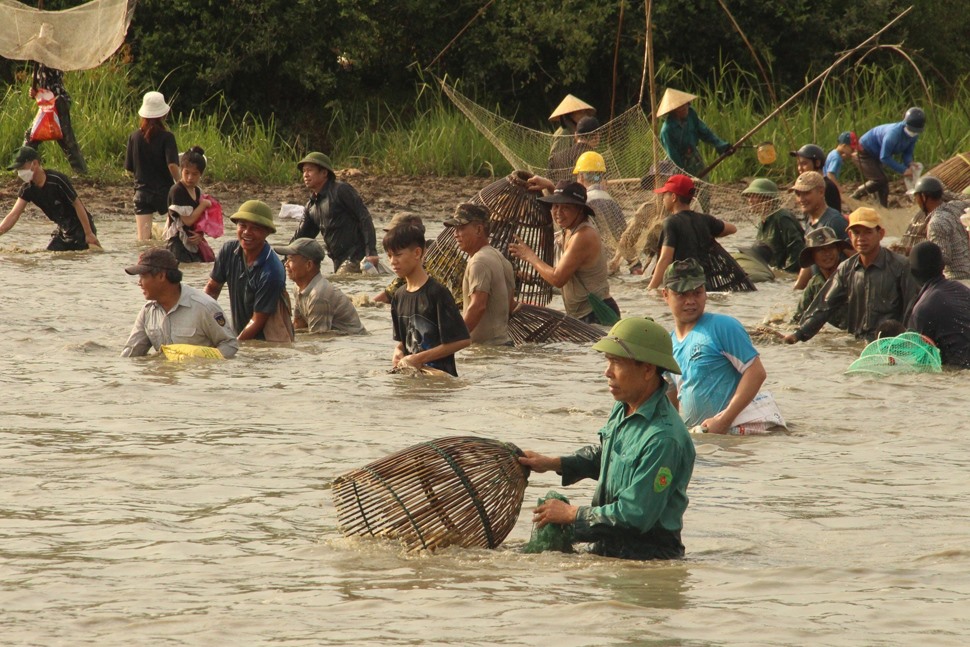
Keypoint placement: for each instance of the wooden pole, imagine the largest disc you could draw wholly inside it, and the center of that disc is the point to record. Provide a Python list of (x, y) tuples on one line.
[(616, 58), (808, 85)]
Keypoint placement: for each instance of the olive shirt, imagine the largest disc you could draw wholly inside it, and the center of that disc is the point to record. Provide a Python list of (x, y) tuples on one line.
[(643, 464), (255, 288), (812, 288), (785, 236), (324, 308), (490, 272), (196, 319), (885, 290), (339, 214)]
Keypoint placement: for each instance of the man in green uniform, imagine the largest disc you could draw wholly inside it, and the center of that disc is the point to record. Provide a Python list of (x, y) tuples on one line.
[(777, 226), (644, 459)]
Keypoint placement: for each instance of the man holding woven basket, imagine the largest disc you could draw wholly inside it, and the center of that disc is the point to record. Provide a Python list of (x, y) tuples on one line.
[(643, 461)]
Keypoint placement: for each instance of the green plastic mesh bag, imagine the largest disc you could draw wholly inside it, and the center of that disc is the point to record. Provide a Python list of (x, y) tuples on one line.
[(909, 352), (551, 536)]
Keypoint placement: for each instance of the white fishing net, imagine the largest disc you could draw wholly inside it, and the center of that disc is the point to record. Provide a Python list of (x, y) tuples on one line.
[(79, 38), (627, 144)]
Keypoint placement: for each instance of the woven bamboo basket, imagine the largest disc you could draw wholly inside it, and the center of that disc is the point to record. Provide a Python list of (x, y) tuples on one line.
[(954, 173), (456, 491), (514, 212), (723, 272), (538, 325)]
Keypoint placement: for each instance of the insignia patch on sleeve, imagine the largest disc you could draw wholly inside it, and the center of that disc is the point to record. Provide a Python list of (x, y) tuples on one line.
[(663, 479), (220, 319)]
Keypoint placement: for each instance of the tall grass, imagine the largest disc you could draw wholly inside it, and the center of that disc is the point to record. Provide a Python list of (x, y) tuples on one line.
[(104, 113), (430, 136)]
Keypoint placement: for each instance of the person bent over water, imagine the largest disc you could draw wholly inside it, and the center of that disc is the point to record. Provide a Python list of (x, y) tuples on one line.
[(644, 459), (54, 194), (175, 313), (581, 270)]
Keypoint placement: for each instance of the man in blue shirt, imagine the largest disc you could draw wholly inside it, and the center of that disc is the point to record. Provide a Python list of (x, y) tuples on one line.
[(255, 274), (880, 147), (835, 160), (721, 370)]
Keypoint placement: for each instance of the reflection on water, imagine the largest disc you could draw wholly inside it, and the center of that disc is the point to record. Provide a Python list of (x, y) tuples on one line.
[(143, 502)]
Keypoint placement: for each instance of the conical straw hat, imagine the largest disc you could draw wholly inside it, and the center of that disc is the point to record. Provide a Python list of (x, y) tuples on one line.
[(672, 100), (570, 104)]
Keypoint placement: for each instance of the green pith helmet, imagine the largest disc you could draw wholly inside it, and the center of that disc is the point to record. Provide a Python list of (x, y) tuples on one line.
[(641, 339), (319, 159), (761, 186), (256, 212)]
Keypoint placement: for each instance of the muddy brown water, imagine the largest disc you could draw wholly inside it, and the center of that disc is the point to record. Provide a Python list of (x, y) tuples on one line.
[(149, 503)]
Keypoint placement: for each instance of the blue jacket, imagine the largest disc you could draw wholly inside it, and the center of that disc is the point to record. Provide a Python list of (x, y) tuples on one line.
[(885, 141)]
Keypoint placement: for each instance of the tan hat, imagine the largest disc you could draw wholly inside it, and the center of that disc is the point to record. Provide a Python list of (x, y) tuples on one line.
[(865, 217), (568, 105), (672, 100), (404, 219), (809, 180)]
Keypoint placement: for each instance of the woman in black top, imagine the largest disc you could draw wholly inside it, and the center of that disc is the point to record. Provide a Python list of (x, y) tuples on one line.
[(153, 158)]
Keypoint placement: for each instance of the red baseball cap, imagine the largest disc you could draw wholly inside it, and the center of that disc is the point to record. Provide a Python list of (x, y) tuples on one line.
[(680, 185)]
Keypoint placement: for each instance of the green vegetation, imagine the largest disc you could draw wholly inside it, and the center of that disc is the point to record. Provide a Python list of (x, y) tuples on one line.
[(430, 136)]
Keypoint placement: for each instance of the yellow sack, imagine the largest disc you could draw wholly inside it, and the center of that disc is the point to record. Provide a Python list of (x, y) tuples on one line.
[(182, 352)]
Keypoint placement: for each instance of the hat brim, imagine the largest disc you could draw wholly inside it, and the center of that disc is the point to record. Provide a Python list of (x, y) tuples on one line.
[(805, 258), (611, 347), (135, 270), (558, 198), (256, 220), (149, 114)]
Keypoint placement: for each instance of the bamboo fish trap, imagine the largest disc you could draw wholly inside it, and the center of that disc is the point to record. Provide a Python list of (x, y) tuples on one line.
[(514, 212), (461, 490), (954, 173), (723, 272), (530, 324)]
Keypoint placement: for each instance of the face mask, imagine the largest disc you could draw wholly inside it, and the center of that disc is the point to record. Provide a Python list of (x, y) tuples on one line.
[(909, 132), (26, 174)]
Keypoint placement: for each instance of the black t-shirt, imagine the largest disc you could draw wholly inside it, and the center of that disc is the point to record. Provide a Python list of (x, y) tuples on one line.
[(149, 161), (56, 199), (179, 196), (428, 318), (690, 234), (832, 196)]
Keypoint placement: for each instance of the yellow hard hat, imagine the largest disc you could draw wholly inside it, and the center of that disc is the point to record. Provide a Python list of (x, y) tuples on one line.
[(590, 162)]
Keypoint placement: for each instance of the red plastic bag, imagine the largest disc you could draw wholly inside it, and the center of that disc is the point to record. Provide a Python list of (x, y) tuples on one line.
[(211, 223), (47, 125)]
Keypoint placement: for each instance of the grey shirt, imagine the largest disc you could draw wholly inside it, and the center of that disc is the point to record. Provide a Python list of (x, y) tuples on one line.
[(196, 319), (884, 290), (946, 230), (324, 308)]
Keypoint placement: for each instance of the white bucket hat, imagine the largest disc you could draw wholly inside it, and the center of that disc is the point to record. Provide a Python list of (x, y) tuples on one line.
[(153, 106)]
